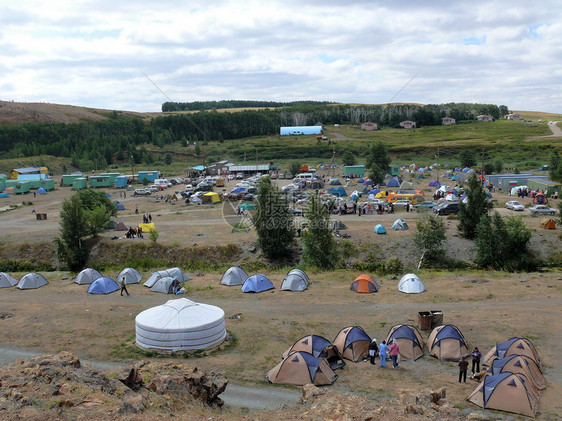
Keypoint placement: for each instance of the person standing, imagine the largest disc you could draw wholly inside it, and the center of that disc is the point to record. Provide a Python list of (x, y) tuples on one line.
[(476, 356), (383, 350), (373, 350), (123, 286), (394, 352), (463, 367)]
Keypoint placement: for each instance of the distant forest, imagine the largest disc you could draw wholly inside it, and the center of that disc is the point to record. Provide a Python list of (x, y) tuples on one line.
[(97, 144), (233, 103)]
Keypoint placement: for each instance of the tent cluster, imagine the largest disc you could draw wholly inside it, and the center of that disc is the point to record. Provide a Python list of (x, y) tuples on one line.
[(30, 281), (513, 381), (296, 280), (167, 281)]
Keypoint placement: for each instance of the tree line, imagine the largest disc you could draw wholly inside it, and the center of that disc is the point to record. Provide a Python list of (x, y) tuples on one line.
[(233, 103)]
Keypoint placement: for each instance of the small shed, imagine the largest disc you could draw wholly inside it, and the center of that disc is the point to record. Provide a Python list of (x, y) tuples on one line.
[(408, 124), (447, 121), (101, 181), (355, 170), (369, 126), (80, 183)]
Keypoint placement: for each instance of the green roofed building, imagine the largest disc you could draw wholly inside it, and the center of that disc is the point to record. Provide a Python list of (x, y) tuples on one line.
[(356, 170)]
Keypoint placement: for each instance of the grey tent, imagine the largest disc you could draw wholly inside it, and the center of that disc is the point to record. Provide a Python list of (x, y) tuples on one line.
[(399, 224), (339, 225), (6, 280), (166, 285), (296, 280), (87, 276), (172, 272), (406, 185), (31, 281), (234, 276), (132, 276)]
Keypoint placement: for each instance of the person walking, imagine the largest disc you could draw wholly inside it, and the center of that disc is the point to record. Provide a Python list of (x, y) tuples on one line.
[(394, 352), (123, 286), (373, 350), (383, 350), (463, 367), (476, 356)]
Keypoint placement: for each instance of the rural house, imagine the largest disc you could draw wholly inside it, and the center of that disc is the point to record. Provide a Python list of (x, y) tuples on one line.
[(514, 116), (408, 124), (447, 121), (368, 126), (484, 117)]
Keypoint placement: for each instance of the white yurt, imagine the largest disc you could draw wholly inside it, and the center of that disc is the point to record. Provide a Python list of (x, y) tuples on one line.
[(132, 276), (411, 284), (87, 276), (180, 325)]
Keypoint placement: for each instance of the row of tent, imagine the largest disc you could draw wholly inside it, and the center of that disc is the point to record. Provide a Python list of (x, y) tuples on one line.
[(313, 358), (296, 280), (32, 280), (398, 225), (513, 381), (409, 284)]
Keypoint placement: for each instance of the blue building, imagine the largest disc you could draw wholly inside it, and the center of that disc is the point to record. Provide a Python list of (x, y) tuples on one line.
[(298, 130)]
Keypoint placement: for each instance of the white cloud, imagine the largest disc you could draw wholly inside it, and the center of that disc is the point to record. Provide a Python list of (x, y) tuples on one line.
[(94, 53)]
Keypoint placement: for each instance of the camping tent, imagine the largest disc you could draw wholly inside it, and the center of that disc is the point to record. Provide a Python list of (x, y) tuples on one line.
[(433, 183), (374, 191), (31, 281), (379, 229), (353, 343), (513, 346), (447, 343), (408, 339), (103, 285), (234, 276), (319, 347), (540, 199), (7, 281), (520, 364), (394, 182), (548, 223), (506, 392), (337, 191), (166, 285), (411, 284), (148, 228), (41, 190), (172, 272), (120, 227), (407, 185), (132, 276), (87, 276), (338, 225), (257, 283), (211, 197), (316, 184), (364, 284), (246, 207), (334, 182), (399, 224), (300, 368), (296, 280), (119, 205), (180, 325)]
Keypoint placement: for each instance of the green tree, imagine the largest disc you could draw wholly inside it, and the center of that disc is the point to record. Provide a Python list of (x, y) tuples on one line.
[(376, 174), (489, 168), (498, 166), (467, 158), (429, 238), (378, 154), (476, 206), (348, 158), (168, 159), (183, 141), (91, 199), (73, 229), (273, 222), (197, 149), (294, 167), (502, 243), (320, 248), (153, 236), (555, 167), (98, 218)]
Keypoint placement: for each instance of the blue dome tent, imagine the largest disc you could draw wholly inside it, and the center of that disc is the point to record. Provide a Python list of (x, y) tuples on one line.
[(103, 285), (257, 283), (379, 229)]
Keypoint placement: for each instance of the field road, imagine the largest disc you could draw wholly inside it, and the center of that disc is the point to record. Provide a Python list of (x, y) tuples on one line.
[(555, 128)]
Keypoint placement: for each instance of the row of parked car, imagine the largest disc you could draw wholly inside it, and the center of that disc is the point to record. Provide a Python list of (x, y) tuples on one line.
[(535, 210)]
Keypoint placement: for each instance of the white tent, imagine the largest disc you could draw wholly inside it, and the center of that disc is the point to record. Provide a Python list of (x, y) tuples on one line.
[(166, 285), (451, 198), (87, 276), (6, 280), (411, 284), (406, 185), (31, 281), (234, 276), (180, 276), (132, 276), (515, 189), (180, 325), (296, 280), (399, 224)]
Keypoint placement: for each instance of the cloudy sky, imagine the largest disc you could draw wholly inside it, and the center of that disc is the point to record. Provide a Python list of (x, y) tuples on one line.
[(102, 53)]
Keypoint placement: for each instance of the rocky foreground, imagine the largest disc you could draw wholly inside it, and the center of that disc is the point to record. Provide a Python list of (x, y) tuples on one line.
[(59, 387)]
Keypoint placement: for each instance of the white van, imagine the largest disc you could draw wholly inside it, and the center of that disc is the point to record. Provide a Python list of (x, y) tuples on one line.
[(162, 182), (305, 176), (211, 180)]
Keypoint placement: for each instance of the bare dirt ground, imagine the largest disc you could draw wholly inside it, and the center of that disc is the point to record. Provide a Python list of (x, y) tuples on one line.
[(486, 306)]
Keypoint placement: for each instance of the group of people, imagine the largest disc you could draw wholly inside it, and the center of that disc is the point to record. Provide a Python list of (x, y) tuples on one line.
[(382, 351), (463, 364), (134, 232), (146, 218)]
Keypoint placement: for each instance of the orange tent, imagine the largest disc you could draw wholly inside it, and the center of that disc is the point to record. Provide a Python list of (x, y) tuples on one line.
[(364, 284)]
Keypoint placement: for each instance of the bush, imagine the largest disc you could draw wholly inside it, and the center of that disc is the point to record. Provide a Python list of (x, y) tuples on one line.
[(429, 238), (320, 249)]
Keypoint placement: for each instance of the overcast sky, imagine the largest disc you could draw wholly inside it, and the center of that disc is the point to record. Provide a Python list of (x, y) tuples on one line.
[(97, 53)]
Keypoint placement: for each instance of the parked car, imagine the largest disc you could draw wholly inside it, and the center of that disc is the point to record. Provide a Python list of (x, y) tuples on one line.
[(239, 176), (281, 176), (514, 205), (152, 189), (296, 212), (248, 197), (141, 192), (446, 208), (402, 203), (542, 210), (425, 206)]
